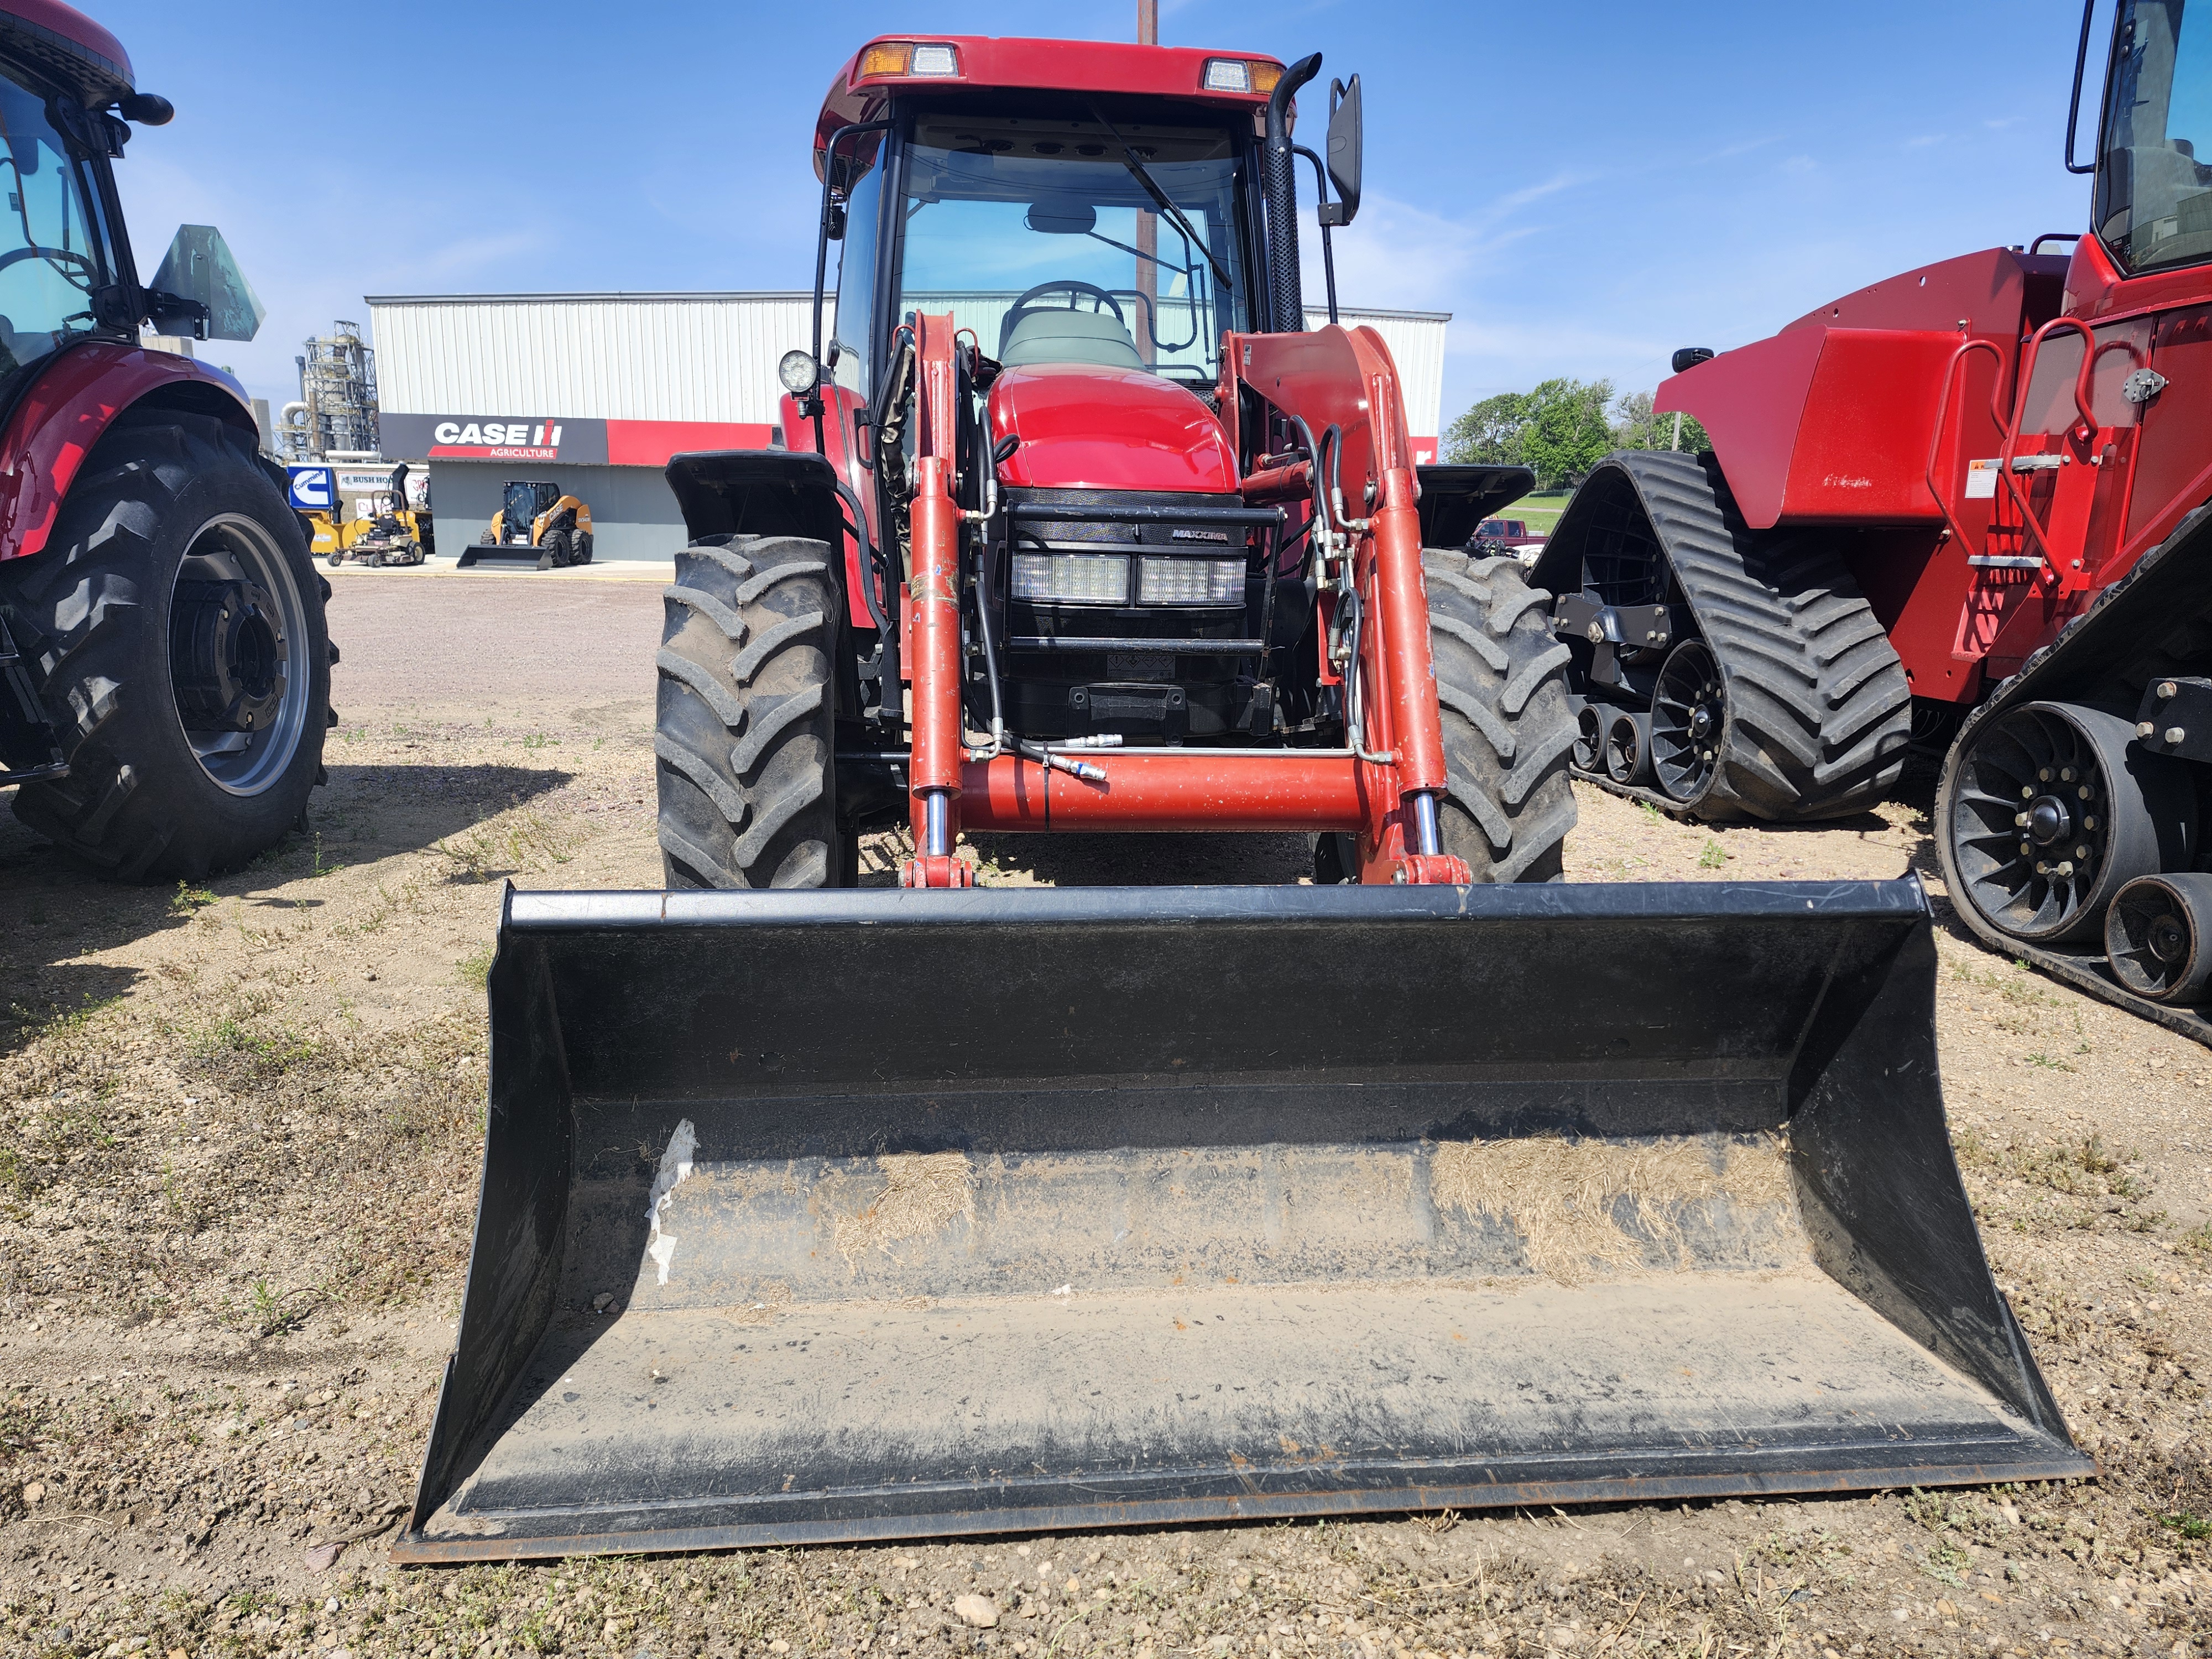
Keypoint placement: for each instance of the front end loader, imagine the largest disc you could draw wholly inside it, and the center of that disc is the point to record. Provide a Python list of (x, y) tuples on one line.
[(812, 1213)]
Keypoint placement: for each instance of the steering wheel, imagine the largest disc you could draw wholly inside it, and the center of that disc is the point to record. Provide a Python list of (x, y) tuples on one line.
[(15, 255), (1068, 285)]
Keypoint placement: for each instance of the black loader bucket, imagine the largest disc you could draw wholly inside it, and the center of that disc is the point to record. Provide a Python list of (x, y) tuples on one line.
[(811, 1217)]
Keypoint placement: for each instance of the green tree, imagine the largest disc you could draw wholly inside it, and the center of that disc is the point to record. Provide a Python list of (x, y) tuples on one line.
[(1566, 433), (1489, 434), (1639, 425)]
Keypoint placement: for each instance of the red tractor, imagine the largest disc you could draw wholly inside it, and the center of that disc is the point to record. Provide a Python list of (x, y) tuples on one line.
[(164, 668), (1123, 548), (818, 1216), (1965, 504)]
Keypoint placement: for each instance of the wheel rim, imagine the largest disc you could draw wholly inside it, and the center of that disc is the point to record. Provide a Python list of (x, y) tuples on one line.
[(1688, 713), (2040, 837), (2149, 939), (238, 678)]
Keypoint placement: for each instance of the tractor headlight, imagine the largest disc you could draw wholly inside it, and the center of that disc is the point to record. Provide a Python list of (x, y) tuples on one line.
[(1071, 578), (798, 372), (1191, 581)]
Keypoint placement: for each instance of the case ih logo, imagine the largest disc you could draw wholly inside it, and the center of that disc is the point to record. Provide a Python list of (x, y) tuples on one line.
[(497, 440)]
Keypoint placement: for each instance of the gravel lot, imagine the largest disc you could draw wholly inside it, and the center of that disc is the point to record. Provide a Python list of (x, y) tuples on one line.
[(239, 1147)]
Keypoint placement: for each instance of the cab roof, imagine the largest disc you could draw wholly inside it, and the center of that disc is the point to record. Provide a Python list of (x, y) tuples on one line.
[(863, 88), (64, 45)]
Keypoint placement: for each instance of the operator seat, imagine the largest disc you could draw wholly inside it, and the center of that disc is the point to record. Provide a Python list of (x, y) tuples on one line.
[(1056, 335)]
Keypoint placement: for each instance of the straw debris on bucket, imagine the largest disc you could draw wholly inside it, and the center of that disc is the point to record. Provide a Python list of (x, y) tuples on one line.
[(1574, 1203), (926, 1190)]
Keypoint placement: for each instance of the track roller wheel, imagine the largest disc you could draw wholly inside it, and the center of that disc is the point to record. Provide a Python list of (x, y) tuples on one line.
[(2048, 812), (2158, 935), (1588, 752), (1628, 747), (1687, 714)]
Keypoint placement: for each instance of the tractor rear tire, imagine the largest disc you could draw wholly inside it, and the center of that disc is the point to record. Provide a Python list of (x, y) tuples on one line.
[(745, 733), (131, 622), (1508, 723)]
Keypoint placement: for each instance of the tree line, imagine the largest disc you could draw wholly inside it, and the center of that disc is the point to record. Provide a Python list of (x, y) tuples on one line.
[(1564, 428)]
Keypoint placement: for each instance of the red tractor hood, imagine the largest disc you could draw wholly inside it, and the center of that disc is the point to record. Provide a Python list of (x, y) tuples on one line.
[(1083, 428)]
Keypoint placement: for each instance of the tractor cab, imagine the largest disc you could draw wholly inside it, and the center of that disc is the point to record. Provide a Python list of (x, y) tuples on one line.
[(2153, 200)]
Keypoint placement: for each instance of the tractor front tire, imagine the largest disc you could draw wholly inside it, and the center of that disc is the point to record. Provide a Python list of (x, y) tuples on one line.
[(1508, 723), (745, 733), (553, 551), (173, 627)]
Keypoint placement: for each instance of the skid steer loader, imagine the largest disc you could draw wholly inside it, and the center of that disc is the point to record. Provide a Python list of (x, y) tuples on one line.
[(811, 1214)]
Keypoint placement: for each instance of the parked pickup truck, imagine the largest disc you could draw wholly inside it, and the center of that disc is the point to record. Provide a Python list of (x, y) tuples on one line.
[(1495, 536)]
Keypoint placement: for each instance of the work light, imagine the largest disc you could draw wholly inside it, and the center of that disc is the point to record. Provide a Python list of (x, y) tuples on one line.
[(798, 372), (1071, 578), (1190, 581)]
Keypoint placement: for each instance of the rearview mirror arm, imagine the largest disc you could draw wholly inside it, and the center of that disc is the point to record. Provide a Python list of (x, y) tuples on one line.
[(1328, 251)]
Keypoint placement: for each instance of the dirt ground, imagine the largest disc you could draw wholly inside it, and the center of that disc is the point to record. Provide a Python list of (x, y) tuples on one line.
[(238, 1145)]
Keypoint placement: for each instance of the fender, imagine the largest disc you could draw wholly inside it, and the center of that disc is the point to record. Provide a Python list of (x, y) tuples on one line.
[(68, 409), (757, 492)]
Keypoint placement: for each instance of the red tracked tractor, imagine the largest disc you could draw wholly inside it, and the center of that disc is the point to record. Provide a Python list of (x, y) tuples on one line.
[(164, 668), (1965, 504), (815, 1214)]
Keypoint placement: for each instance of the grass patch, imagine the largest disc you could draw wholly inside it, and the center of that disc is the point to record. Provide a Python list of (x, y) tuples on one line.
[(1714, 857), (189, 898), (474, 969)]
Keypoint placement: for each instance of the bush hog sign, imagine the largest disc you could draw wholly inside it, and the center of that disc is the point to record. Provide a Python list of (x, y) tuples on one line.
[(502, 437)]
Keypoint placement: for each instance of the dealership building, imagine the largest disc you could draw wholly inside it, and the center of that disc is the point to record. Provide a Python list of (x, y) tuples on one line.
[(595, 391)]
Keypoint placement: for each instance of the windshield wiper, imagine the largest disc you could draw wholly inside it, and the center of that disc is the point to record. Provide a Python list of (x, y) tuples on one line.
[(1152, 188)]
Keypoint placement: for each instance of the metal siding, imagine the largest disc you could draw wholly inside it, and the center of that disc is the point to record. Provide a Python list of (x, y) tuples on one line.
[(645, 358), (686, 357), (1416, 340)]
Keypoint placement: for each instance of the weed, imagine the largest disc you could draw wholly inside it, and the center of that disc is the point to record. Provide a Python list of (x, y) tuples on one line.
[(476, 967), (2188, 1525), (1947, 1565), (1651, 812), (189, 898), (1714, 857), (537, 740), (318, 867), (2198, 1239), (2049, 1063)]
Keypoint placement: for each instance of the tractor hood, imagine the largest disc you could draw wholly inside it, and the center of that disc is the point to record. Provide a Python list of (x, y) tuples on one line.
[(1086, 428)]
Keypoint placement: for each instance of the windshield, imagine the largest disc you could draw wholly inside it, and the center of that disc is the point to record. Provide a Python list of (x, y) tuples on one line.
[(1042, 238), (2154, 197), (49, 256)]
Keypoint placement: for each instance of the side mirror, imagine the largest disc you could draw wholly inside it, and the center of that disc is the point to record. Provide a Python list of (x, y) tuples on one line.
[(1690, 356), (148, 109), (1343, 152), (833, 224), (198, 268)]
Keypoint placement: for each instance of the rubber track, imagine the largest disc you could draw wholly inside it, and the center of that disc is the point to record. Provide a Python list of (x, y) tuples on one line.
[(2155, 620), (1819, 713)]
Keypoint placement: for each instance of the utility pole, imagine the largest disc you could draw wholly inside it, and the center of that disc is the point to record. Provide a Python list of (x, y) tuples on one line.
[(1677, 444), (1148, 226)]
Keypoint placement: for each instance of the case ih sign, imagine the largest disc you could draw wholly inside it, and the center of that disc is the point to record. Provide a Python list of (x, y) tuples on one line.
[(575, 440), (497, 437)]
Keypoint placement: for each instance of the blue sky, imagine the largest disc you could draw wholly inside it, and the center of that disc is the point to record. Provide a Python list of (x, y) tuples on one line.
[(1583, 187)]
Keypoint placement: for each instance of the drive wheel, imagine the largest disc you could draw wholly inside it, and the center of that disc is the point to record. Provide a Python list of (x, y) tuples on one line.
[(583, 547), (173, 627), (1688, 712), (746, 727), (2046, 812), (553, 551), (1508, 721)]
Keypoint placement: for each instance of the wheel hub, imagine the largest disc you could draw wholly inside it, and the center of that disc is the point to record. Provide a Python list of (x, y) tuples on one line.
[(226, 658), (2169, 940), (1701, 723), (2048, 820)]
